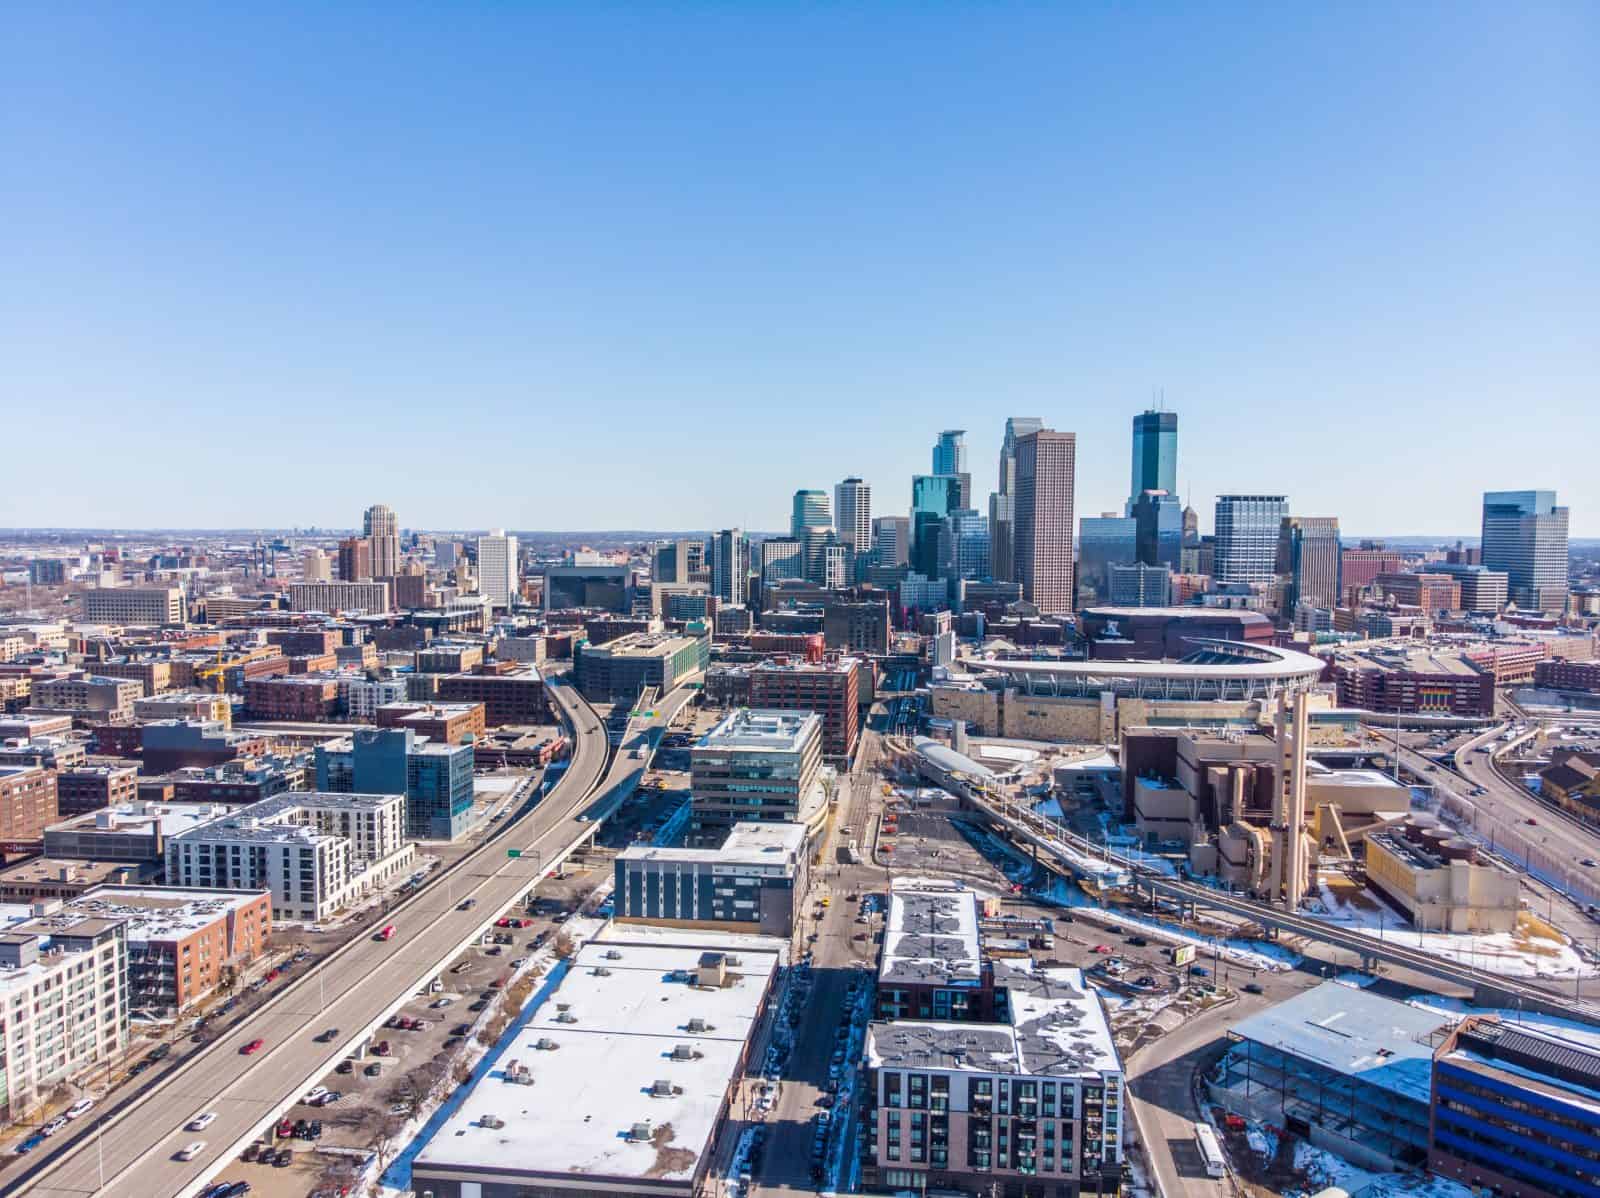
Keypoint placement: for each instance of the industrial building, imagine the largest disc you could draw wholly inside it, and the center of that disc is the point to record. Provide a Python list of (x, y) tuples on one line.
[(749, 884), (620, 1081), (1341, 1067), (1437, 881)]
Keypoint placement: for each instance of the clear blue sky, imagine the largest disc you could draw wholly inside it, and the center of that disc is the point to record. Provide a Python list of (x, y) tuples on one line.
[(658, 265)]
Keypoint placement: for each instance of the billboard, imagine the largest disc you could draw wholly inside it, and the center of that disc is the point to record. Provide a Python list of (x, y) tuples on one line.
[(1183, 954)]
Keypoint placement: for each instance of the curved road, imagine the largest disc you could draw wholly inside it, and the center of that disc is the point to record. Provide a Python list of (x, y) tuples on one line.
[(354, 990)]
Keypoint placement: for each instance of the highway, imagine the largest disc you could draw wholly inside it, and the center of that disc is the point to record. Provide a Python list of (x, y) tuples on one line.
[(132, 1150)]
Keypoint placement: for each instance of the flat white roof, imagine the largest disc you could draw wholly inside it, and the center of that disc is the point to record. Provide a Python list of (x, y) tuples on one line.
[(157, 912), (573, 1125), (751, 842), (762, 730), (931, 937)]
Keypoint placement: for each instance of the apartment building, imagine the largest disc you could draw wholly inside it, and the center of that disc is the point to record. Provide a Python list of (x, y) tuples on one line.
[(134, 605), (339, 596), (299, 697), (750, 883), (830, 688), (93, 787), (104, 700), (316, 853), (63, 1004), (511, 693), (185, 705), (27, 802)]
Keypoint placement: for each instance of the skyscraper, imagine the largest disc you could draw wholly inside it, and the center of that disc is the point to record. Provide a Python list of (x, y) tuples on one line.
[(964, 545), (933, 497), (810, 511), (355, 560), (1525, 535), (891, 541), (1046, 461), (383, 535), (1247, 537), (1155, 454), (1002, 502), (1158, 529), (950, 457), (1104, 541), (497, 567), (781, 558), (730, 566), (1310, 558), (852, 501)]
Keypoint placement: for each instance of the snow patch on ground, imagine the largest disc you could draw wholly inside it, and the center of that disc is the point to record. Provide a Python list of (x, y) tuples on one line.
[(1510, 954)]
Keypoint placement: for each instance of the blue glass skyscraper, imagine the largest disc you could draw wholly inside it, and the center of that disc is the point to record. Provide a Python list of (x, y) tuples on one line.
[(1155, 455)]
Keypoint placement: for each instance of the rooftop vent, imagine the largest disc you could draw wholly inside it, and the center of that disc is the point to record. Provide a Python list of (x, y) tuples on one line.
[(613, 955), (639, 1131), (565, 1016), (682, 1052), (546, 1044), (600, 971), (661, 1088), (697, 1025)]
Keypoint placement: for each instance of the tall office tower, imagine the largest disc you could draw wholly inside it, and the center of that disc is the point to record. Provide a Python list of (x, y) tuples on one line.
[(891, 541), (355, 560), (852, 504), (1043, 519), (383, 534), (1247, 537), (964, 545), (1158, 529), (1104, 541), (1310, 559), (1155, 454), (950, 457), (445, 554), (781, 558), (671, 561), (837, 564), (730, 566), (933, 497), (315, 566), (1002, 506), (810, 511), (1525, 535), (497, 567), (1191, 526)]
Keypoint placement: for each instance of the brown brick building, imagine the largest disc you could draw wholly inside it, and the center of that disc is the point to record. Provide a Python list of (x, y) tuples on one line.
[(510, 693), (27, 803), (301, 697), (89, 788), (830, 688), (444, 723)]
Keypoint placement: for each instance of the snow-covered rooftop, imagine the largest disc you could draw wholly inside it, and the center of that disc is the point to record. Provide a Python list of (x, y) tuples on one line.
[(931, 938), (623, 1061)]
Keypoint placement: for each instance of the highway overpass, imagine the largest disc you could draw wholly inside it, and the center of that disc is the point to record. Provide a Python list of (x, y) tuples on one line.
[(130, 1150)]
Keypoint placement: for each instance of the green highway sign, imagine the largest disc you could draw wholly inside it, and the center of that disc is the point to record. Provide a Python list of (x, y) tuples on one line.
[(513, 852)]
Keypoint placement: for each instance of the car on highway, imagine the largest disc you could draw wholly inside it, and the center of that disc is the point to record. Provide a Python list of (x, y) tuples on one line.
[(466, 904), (327, 1036), (1588, 863), (201, 1122), (1102, 948), (191, 1150), (1531, 822), (1253, 988), (385, 933), (55, 1125), (82, 1107), (254, 1046)]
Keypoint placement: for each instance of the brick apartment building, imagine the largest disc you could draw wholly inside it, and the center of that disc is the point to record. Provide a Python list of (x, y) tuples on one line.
[(27, 803), (510, 692), (91, 787), (443, 723), (1568, 675), (298, 697), (830, 688)]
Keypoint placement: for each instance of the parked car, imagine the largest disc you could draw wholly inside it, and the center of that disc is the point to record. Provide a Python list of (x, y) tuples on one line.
[(374, 1069), (55, 1125), (82, 1107), (1253, 988)]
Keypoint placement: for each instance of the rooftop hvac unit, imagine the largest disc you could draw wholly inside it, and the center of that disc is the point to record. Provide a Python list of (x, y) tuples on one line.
[(697, 1025), (491, 1121), (546, 1044), (565, 1016), (639, 1131), (682, 1052), (613, 955), (600, 971), (661, 1088)]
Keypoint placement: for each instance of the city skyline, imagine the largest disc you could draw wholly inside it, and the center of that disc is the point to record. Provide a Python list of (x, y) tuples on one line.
[(521, 268)]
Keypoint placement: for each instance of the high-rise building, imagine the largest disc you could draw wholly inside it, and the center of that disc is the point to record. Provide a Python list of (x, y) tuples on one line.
[(1247, 537), (1158, 525), (134, 605), (497, 567), (355, 560), (810, 511), (964, 545), (1155, 454), (1046, 461), (383, 537), (1139, 585), (891, 541), (315, 566), (933, 498), (1103, 541), (781, 558), (852, 504), (950, 457), (1525, 534), (1002, 502), (730, 566), (1310, 559)]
